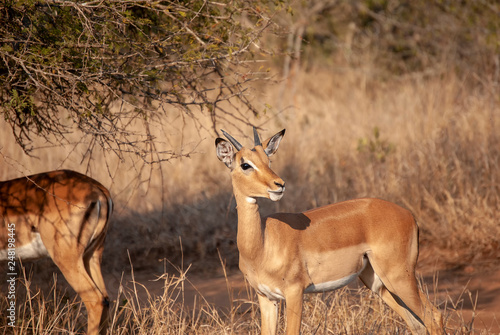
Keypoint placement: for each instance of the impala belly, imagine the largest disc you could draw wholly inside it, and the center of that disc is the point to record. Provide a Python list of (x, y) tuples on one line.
[(334, 269), (335, 284), (33, 250)]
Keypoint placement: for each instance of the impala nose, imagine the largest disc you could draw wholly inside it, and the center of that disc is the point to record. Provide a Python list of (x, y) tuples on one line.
[(280, 184), (276, 195)]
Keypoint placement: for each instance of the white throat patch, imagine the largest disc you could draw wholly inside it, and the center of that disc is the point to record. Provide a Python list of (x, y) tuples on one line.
[(251, 200)]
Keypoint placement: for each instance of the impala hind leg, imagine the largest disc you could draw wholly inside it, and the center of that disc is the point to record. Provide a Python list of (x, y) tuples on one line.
[(91, 296), (269, 315), (419, 311), (92, 261), (407, 300)]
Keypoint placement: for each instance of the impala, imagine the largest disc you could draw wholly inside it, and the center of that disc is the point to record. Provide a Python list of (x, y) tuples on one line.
[(63, 215), (286, 255)]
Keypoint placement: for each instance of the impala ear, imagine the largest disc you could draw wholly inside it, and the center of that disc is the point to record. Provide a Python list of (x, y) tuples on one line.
[(225, 152), (271, 144)]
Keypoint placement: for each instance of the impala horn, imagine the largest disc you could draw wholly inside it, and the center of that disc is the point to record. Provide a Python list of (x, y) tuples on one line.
[(231, 139), (256, 138)]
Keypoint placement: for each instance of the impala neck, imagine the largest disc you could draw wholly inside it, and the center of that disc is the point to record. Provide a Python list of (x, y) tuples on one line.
[(250, 236)]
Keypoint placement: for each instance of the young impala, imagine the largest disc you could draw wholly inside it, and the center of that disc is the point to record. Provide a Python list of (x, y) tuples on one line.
[(286, 255), (63, 215)]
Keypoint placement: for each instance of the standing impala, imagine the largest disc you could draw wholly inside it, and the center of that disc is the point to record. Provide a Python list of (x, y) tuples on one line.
[(63, 215), (286, 255)]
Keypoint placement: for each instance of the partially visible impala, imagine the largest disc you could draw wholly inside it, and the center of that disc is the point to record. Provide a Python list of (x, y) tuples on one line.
[(286, 255), (63, 215)]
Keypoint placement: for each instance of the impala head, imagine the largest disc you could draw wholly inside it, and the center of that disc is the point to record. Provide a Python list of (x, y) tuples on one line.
[(250, 168)]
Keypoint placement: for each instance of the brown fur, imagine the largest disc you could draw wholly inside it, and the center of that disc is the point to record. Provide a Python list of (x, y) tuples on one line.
[(287, 254), (70, 212)]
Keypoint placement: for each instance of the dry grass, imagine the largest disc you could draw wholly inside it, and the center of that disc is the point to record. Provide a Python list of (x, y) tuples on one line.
[(429, 144), (136, 310)]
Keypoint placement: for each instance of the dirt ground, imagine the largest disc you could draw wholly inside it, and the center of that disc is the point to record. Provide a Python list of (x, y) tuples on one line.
[(476, 293)]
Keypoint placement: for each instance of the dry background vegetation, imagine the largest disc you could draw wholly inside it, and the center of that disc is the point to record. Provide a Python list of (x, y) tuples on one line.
[(425, 137)]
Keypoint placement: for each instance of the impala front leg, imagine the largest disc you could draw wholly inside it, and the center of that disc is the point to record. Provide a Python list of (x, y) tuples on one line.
[(294, 300), (269, 315)]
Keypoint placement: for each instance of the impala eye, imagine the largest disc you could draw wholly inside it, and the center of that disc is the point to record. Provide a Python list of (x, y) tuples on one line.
[(245, 166)]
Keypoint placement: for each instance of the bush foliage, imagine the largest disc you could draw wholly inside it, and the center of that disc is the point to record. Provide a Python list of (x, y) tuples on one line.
[(82, 57)]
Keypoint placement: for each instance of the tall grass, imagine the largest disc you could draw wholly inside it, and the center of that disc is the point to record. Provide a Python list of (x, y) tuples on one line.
[(136, 310)]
